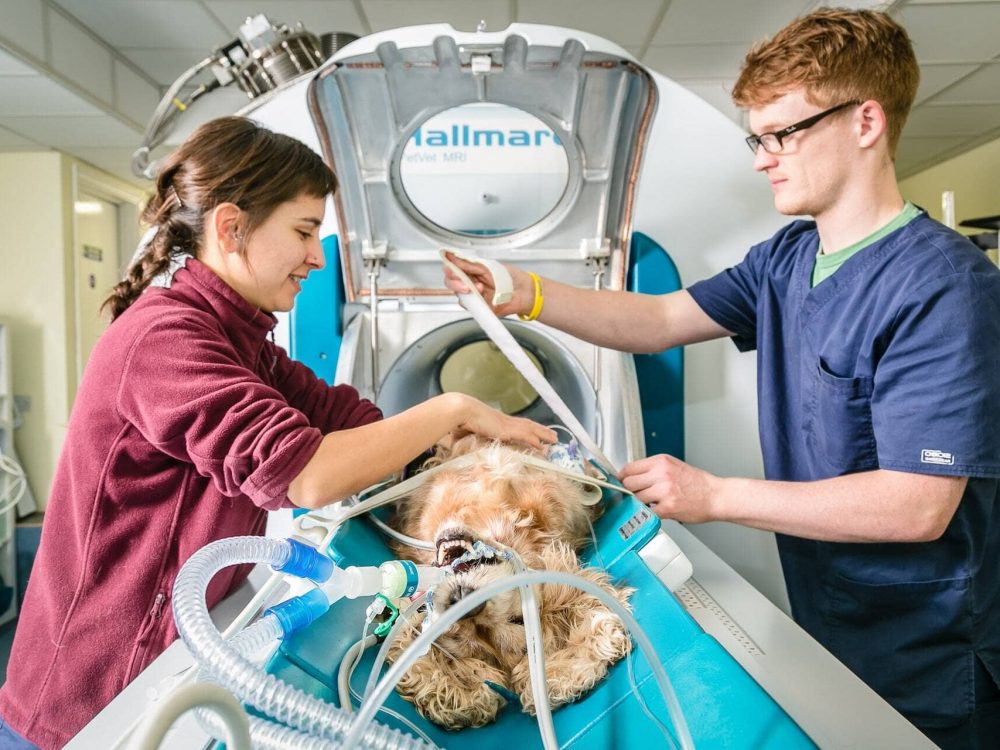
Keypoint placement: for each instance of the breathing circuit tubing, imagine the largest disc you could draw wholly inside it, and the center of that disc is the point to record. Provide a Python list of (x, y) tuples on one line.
[(268, 694), (328, 724)]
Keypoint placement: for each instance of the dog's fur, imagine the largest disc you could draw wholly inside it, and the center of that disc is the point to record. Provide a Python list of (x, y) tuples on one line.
[(539, 514)]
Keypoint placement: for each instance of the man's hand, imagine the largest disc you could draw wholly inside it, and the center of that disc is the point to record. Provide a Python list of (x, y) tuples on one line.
[(671, 488)]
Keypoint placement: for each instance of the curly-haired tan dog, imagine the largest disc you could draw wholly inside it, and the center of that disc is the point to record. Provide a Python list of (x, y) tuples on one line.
[(539, 514)]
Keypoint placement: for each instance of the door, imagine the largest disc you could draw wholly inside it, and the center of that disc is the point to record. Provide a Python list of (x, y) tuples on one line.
[(98, 263)]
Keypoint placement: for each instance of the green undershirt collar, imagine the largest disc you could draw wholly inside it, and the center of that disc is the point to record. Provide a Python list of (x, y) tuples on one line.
[(826, 265)]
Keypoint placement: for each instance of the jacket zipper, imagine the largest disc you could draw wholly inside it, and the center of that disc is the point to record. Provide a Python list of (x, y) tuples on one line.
[(158, 605)]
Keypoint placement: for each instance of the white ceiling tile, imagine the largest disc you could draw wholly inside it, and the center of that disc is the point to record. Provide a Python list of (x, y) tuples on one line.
[(317, 16), (21, 24), (164, 65), (935, 78), (134, 96), (10, 141), (626, 24), (150, 23), (11, 66), (965, 32), (914, 152), (700, 43), (464, 16), (65, 132), (78, 57), (714, 21), (962, 120), (981, 87), (22, 96), (696, 60)]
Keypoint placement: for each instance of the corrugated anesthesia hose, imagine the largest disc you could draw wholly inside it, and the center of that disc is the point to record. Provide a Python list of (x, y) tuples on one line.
[(265, 692)]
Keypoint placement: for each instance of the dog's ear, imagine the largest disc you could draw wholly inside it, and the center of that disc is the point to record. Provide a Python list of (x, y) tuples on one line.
[(451, 447), (467, 444)]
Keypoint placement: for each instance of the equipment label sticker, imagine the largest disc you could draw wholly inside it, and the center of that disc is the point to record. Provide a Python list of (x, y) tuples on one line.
[(928, 456), (635, 523)]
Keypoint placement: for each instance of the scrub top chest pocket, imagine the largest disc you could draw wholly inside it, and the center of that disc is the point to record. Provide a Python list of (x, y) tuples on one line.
[(840, 431)]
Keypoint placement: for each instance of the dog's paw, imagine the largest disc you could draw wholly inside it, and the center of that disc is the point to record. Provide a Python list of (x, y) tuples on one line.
[(453, 701), (573, 671), (453, 693)]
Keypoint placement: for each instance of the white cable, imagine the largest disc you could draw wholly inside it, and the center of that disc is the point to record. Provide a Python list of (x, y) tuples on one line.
[(165, 109), (344, 690), (347, 666), (399, 536), (150, 735), (402, 621)]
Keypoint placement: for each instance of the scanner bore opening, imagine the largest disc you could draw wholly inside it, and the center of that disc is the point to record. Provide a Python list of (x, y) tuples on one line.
[(481, 370)]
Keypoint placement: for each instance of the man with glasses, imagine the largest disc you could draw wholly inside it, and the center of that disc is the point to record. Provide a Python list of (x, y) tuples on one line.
[(877, 333)]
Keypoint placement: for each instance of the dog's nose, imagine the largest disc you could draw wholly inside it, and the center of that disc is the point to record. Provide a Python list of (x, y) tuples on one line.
[(460, 592)]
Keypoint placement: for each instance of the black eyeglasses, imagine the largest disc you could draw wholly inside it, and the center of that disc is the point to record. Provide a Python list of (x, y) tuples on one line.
[(772, 142)]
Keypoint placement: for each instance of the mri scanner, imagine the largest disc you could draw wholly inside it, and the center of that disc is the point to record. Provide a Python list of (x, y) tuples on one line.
[(556, 151)]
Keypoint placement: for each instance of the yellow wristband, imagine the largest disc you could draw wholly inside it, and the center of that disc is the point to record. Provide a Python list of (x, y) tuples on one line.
[(536, 309)]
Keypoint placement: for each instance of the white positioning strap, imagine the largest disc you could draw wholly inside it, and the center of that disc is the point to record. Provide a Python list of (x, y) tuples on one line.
[(408, 486), (474, 303), (503, 284)]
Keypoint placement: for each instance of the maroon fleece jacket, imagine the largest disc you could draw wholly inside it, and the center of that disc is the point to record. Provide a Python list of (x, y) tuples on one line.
[(188, 426)]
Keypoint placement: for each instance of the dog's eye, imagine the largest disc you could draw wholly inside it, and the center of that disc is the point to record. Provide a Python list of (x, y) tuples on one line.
[(516, 620)]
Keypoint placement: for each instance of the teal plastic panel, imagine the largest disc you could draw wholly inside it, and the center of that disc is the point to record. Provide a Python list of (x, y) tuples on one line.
[(661, 375), (316, 321)]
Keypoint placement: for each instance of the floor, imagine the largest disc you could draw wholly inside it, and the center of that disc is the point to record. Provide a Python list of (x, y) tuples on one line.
[(6, 638)]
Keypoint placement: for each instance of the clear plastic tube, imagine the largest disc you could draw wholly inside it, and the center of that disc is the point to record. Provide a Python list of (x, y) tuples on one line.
[(253, 638), (536, 654), (267, 735), (265, 692), (383, 653), (531, 613), (367, 711)]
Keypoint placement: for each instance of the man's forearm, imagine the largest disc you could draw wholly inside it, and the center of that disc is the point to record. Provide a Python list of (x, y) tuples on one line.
[(871, 506), (626, 321)]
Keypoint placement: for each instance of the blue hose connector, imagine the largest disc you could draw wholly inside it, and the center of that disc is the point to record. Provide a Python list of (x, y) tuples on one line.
[(295, 614), (306, 562)]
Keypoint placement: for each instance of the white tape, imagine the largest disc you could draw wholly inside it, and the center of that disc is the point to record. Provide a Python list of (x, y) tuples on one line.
[(503, 284)]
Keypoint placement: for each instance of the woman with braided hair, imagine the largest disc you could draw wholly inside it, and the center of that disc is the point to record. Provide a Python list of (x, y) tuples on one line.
[(189, 425)]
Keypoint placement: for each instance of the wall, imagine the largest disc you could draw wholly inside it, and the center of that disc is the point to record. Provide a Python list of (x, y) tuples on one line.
[(975, 178), (38, 293), (35, 284)]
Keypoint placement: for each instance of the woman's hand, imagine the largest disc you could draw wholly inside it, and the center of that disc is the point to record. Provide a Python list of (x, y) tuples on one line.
[(476, 417), (524, 288)]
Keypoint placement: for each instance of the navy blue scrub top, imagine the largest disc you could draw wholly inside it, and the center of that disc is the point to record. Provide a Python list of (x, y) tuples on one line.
[(894, 363)]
